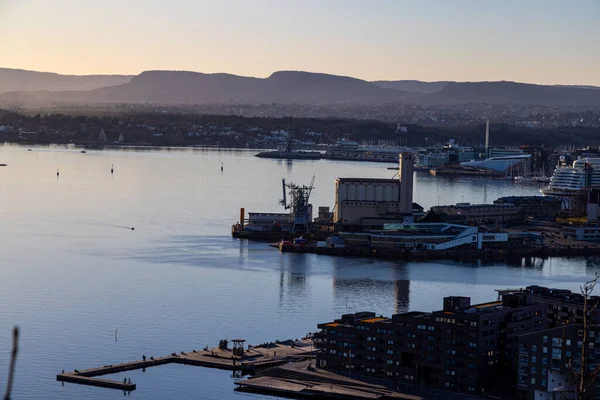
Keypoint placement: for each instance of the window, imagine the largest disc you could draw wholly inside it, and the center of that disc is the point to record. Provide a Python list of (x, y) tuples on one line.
[(533, 381), (545, 339), (556, 342), (533, 359), (568, 342), (556, 354), (545, 349), (534, 348), (533, 370), (544, 382)]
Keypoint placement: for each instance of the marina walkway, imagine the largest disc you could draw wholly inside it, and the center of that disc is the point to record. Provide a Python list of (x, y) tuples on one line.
[(254, 358)]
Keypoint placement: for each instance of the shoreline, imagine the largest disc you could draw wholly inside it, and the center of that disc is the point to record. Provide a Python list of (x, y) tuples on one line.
[(469, 255)]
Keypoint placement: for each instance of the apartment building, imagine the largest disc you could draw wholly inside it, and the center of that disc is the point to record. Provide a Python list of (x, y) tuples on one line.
[(462, 347)]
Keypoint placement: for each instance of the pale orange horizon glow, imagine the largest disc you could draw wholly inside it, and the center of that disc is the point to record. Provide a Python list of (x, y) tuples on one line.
[(546, 42)]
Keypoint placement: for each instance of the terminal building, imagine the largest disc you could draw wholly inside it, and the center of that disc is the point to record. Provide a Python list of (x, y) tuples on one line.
[(426, 236)]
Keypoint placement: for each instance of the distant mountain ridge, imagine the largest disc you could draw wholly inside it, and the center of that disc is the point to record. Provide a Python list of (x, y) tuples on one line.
[(284, 87), (185, 87), (22, 80), (514, 92), (412, 85)]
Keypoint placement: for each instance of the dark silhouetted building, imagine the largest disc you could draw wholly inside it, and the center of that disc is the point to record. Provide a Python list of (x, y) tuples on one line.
[(542, 370), (462, 348)]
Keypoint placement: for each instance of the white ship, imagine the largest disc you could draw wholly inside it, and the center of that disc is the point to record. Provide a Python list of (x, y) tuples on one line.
[(569, 180)]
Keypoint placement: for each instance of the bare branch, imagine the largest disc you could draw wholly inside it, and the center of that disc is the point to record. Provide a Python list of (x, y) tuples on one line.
[(13, 362)]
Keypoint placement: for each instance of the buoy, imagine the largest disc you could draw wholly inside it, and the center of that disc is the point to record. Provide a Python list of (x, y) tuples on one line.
[(221, 166), (57, 173), (132, 228), (112, 168)]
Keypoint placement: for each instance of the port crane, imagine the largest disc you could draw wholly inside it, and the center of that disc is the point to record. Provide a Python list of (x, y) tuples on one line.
[(301, 209)]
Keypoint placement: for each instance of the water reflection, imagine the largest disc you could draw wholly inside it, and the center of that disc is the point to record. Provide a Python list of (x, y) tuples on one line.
[(293, 269), (364, 285)]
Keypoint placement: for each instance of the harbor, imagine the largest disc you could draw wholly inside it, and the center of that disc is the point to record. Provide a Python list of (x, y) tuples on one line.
[(377, 218), (181, 263)]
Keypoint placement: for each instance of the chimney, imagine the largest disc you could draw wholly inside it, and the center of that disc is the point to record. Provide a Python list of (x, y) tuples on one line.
[(487, 138)]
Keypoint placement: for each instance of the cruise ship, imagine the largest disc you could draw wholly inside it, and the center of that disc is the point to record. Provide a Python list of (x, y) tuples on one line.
[(569, 180)]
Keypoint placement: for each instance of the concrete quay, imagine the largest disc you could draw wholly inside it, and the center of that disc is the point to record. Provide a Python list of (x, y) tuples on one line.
[(300, 380), (252, 359), (452, 254)]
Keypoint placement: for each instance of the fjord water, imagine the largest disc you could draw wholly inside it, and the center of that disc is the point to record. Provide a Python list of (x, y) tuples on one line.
[(88, 291)]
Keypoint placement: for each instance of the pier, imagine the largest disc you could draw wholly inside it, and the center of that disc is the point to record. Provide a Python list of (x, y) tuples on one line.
[(237, 359)]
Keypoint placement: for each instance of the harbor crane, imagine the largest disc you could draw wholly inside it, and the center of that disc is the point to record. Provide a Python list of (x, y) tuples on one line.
[(301, 209)]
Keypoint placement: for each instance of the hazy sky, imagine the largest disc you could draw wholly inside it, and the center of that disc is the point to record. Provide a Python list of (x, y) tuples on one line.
[(540, 41)]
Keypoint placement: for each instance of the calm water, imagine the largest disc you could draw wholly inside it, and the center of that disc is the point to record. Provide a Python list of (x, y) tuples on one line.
[(72, 272)]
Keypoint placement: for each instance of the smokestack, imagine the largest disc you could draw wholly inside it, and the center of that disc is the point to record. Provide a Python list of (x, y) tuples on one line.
[(405, 175), (487, 138)]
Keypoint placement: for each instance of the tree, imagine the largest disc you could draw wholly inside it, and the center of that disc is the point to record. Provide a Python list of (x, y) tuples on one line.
[(11, 365), (581, 376)]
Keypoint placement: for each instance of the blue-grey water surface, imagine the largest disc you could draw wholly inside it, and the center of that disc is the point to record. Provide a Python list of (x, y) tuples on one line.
[(72, 272)]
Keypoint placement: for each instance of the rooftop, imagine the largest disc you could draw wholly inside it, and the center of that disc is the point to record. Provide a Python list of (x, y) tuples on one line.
[(367, 180)]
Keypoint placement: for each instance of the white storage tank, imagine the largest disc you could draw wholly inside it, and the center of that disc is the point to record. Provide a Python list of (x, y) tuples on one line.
[(396, 193), (361, 193), (370, 193), (351, 191), (388, 193), (378, 193), (342, 192)]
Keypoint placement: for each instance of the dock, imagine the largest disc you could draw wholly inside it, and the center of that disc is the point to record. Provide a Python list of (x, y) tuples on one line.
[(460, 254), (237, 359), (302, 380)]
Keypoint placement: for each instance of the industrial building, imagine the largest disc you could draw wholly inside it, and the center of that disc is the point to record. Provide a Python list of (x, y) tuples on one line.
[(479, 213), (368, 201), (536, 207), (426, 236), (461, 348)]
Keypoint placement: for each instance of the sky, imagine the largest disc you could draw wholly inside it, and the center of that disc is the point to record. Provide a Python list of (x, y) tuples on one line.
[(537, 41)]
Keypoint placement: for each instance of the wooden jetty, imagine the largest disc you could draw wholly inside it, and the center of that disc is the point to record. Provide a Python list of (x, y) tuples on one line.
[(236, 359)]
